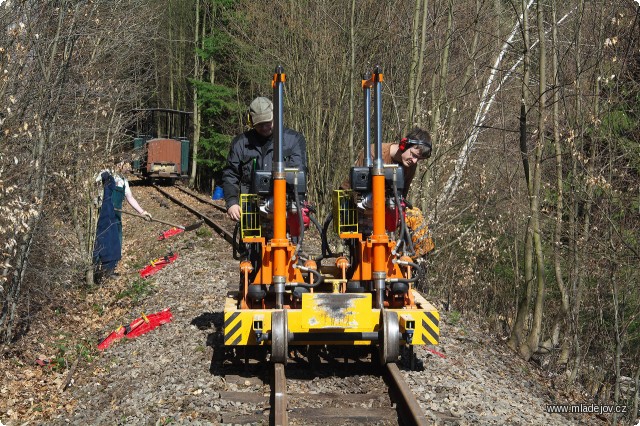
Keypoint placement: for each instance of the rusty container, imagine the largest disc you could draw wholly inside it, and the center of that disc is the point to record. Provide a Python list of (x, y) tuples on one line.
[(163, 157)]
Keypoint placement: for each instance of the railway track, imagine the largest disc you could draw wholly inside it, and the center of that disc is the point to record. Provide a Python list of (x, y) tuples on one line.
[(205, 209), (385, 399), (345, 394), (376, 395)]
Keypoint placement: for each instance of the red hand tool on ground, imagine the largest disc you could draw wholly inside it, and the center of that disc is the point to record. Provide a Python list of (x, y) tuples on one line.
[(137, 327), (170, 233), (158, 264)]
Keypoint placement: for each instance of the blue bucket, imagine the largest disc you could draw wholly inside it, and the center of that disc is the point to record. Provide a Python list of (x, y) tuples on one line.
[(218, 194)]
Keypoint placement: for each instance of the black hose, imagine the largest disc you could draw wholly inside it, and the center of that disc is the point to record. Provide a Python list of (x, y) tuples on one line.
[(315, 223), (326, 251), (401, 243), (300, 218), (235, 243), (407, 234), (319, 228), (418, 273), (319, 277), (404, 236)]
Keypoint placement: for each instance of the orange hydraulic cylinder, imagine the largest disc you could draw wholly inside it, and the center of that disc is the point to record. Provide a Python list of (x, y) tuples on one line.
[(379, 236), (279, 242)]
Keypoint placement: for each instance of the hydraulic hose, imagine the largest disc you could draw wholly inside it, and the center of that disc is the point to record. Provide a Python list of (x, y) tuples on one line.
[(236, 243), (319, 228), (319, 277), (404, 236), (400, 243), (326, 251), (300, 218), (415, 276)]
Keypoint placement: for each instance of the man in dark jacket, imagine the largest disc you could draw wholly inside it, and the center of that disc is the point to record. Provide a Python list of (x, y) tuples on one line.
[(253, 150)]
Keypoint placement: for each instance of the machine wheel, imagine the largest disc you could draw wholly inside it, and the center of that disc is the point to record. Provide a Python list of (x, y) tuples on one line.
[(279, 337), (389, 344)]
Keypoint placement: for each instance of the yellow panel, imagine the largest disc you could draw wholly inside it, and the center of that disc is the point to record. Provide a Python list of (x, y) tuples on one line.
[(348, 311), (327, 312), (427, 329), (238, 326), (427, 321), (238, 323)]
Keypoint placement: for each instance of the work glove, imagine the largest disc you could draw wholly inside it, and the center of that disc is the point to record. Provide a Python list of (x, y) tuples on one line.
[(419, 230), (147, 216)]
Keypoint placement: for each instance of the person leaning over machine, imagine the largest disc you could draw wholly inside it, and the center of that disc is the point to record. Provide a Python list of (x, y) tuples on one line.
[(253, 150), (107, 250), (414, 147)]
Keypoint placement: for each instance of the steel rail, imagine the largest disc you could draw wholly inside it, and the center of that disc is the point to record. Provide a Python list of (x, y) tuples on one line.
[(279, 395), (217, 227), (409, 409), (201, 198)]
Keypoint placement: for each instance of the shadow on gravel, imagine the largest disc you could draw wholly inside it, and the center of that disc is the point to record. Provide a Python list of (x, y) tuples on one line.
[(208, 320), (242, 361), (215, 340)]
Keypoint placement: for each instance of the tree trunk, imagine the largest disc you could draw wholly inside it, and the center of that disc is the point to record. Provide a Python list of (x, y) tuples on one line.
[(557, 236), (439, 78), (573, 220), (413, 67), (636, 397), (517, 332), (85, 240), (196, 108), (417, 117), (538, 309), (619, 343), (352, 78), (424, 171), (587, 190), (171, 52)]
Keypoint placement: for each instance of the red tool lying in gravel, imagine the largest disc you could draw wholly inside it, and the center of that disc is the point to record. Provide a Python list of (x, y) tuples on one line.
[(169, 233), (158, 264), (138, 326)]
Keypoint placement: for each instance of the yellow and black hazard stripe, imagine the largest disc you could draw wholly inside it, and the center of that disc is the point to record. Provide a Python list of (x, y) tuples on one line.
[(232, 324), (430, 328)]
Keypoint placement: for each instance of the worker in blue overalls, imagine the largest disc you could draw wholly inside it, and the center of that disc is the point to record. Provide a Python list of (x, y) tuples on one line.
[(107, 250)]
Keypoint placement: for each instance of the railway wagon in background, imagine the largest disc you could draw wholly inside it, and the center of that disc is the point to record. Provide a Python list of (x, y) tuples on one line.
[(161, 143)]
